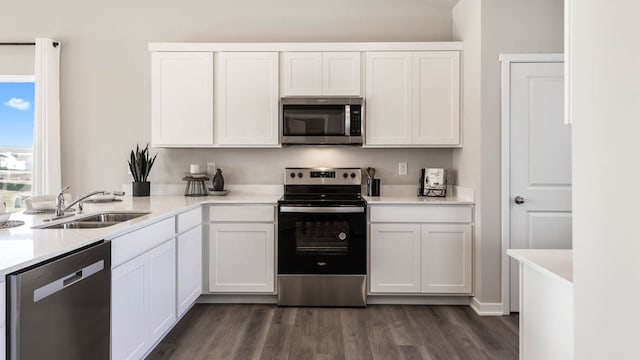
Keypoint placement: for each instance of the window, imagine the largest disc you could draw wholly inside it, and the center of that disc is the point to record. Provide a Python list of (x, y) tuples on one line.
[(16, 139)]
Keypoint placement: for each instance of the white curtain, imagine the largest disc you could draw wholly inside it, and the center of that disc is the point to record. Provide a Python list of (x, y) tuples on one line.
[(47, 172)]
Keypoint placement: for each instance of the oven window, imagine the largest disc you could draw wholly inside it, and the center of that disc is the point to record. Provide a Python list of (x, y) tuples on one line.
[(322, 238), (314, 120)]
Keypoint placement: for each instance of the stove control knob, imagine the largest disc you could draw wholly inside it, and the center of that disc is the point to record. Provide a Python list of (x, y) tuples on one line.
[(353, 175), (342, 236), (300, 175), (345, 175), (292, 175)]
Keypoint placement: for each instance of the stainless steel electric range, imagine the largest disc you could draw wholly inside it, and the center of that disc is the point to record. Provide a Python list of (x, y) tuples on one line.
[(322, 238)]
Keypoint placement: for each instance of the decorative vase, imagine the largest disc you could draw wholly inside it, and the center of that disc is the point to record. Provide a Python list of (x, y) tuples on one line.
[(141, 188), (218, 181)]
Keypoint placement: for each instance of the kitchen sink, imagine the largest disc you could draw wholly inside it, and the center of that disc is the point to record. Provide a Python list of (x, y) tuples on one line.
[(111, 217), (94, 221)]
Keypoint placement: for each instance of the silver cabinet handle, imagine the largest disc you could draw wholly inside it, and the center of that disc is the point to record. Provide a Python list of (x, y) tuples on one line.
[(519, 200)]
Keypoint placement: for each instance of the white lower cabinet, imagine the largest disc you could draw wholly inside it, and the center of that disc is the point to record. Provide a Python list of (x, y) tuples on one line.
[(129, 285), (189, 267), (143, 301), (395, 252), (446, 258), (426, 258), (241, 257)]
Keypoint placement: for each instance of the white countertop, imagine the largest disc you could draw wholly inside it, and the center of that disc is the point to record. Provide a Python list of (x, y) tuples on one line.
[(406, 195), (554, 262), (416, 200), (23, 246)]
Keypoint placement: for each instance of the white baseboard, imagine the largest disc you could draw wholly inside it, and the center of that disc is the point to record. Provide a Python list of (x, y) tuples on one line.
[(417, 300), (236, 299), (486, 309)]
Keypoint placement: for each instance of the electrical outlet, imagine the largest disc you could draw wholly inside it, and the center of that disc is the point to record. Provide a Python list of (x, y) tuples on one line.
[(211, 168), (402, 168)]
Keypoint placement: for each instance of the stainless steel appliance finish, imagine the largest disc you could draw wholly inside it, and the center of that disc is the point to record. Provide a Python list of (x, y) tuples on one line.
[(322, 290), (322, 238), (322, 120), (61, 309)]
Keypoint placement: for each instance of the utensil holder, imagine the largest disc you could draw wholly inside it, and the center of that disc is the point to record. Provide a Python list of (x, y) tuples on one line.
[(373, 187)]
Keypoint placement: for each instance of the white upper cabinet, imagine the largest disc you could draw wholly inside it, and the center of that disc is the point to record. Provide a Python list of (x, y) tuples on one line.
[(182, 99), (388, 98), (413, 99), (321, 73), (301, 73), (436, 98), (246, 101)]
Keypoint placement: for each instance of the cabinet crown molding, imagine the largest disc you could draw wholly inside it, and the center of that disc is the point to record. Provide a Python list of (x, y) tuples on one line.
[(310, 46)]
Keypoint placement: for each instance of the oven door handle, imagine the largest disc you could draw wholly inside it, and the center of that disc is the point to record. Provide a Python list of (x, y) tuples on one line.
[(323, 209)]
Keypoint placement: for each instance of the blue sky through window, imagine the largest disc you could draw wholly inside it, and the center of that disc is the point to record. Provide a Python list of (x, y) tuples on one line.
[(16, 113)]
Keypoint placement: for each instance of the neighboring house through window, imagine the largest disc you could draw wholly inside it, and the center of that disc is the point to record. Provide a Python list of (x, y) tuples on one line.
[(16, 138)]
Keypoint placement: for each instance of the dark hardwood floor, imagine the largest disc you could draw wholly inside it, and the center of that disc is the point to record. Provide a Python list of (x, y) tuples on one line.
[(375, 332)]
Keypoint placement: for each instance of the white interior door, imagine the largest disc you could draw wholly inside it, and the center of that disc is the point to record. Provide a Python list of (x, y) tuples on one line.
[(540, 163)]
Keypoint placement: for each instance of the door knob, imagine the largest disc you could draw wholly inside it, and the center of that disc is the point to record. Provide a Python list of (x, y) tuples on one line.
[(519, 200)]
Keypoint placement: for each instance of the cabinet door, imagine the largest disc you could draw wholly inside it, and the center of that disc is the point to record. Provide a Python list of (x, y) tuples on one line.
[(388, 98), (189, 266), (446, 259), (241, 258), (161, 309), (182, 99), (301, 73), (436, 98), (128, 304), (246, 101), (341, 73), (395, 258)]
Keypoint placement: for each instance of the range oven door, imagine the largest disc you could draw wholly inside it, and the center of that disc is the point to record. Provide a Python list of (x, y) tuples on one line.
[(322, 240)]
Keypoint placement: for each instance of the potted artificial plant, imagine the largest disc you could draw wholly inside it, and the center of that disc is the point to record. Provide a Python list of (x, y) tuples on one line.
[(140, 164)]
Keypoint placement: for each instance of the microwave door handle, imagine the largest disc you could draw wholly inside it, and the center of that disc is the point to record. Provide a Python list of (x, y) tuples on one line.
[(347, 120)]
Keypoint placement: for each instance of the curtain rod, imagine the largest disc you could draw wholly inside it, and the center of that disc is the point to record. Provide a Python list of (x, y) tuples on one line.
[(55, 44)]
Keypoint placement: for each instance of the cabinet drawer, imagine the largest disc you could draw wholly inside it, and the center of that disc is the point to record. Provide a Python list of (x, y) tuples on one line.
[(241, 213), (136, 242), (421, 214), (189, 219)]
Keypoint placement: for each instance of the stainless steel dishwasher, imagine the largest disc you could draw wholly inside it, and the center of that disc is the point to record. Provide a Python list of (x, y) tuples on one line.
[(61, 309)]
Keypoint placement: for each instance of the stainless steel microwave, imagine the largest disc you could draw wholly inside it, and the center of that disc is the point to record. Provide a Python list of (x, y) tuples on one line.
[(322, 120)]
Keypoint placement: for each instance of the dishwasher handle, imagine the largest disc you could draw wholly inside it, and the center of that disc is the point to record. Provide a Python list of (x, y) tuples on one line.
[(66, 281)]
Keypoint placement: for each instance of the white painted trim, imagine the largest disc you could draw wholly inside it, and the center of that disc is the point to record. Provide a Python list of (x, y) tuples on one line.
[(487, 309), (17, 78), (507, 60), (527, 58), (237, 299), (311, 46), (418, 300)]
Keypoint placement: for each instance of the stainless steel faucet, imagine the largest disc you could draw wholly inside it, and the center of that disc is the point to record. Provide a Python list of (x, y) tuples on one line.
[(60, 205)]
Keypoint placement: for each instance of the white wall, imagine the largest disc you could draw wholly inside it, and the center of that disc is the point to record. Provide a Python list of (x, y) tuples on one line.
[(467, 27), (505, 26), (17, 60), (105, 70), (605, 100)]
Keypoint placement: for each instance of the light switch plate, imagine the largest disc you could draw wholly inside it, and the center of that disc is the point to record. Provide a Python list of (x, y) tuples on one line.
[(402, 168)]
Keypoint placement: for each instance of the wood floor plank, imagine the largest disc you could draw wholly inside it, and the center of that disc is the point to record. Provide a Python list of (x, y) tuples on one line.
[(243, 331)]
